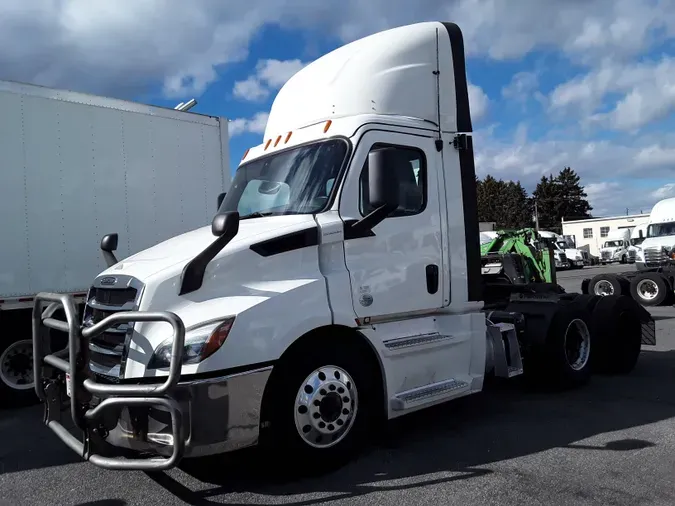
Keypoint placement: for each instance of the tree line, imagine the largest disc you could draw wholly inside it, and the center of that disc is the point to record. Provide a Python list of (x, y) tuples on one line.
[(555, 197)]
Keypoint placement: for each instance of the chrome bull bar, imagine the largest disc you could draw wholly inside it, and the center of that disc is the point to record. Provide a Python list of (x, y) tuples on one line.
[(84, 410)]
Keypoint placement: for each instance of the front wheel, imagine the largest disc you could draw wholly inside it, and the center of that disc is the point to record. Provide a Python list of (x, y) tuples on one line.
[(321, 406)]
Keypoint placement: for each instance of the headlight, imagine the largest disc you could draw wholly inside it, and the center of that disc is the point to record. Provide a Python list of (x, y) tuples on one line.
[(200, 343)]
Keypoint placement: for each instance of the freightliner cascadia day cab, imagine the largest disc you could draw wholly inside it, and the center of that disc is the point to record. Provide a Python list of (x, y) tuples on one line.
[(615, 246), (74, 166), (338, 286)]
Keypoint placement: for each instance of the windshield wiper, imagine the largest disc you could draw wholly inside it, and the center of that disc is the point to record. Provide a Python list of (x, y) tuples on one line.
[(257, 215)]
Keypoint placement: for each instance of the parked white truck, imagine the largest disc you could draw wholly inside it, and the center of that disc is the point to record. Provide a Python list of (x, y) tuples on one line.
[(74, 165), (653, 281), (615, 247), (338, 286), (660, 236)]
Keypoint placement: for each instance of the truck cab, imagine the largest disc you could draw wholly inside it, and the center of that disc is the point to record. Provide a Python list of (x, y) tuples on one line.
[(659, 243), (338, 286), (615, 247), (562, 261)]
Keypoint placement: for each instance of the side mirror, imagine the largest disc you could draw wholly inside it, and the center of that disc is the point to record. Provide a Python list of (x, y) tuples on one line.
[(383, 183), (383, 179), (108, 245), (225, 223), (221, 197), (224, 226)]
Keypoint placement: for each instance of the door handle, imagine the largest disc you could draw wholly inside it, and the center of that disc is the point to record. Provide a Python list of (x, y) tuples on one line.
[(432, 278)]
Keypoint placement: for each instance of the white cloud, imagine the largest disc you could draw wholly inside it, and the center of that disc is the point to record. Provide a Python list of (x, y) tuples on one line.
[(521, 87), (478, 101), (126, 47), (665, 192), (255, 125), (647, 91), (269, 75)]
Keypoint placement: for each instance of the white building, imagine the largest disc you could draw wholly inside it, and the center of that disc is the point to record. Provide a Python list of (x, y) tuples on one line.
[(590, 233)]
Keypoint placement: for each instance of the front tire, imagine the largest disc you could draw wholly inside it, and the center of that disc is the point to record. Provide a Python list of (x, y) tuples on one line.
[(321, 407)]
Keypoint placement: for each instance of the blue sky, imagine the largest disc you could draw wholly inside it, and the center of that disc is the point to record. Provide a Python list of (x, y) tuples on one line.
[(589, 84)]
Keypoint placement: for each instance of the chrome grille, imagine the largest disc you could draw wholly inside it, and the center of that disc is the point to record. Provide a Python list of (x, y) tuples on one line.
[(107, 351), (563, 257), (655, 256), (606, 255)]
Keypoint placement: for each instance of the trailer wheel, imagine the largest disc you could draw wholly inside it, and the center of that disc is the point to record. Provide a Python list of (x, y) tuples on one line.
[(605, 284), (17, 387), (649, 289), (564, 360), (617, 333), (321, 407)]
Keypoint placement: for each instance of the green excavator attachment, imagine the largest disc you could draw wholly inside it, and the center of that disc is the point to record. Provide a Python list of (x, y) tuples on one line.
[(519, 256)]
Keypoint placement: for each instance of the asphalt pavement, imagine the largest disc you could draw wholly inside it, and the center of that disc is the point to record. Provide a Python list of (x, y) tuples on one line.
[(612, 442)]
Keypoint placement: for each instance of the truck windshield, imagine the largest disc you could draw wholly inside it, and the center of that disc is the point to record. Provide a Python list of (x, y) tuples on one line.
[(296, 181), (613, 244), (661, 229)]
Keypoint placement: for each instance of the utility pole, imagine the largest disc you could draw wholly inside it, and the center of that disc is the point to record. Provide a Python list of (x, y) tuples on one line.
[(536, 216)]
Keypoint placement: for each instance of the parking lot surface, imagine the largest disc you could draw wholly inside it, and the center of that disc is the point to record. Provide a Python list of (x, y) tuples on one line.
[(612, 442)]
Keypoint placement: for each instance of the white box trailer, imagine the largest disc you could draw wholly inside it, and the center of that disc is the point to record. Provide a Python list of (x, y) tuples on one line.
[(74, 167)]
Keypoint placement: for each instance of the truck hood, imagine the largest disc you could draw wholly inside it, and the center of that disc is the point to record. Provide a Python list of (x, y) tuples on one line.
[(658, 242), (183, 248)]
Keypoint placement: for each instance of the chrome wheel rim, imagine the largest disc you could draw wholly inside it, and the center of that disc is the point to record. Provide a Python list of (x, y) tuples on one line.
[(577, 344), (647, 289), (16, 365), (603, 288), (325, 407)]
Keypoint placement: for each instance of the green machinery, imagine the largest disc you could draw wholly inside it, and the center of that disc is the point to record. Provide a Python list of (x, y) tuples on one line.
[(518, 257)]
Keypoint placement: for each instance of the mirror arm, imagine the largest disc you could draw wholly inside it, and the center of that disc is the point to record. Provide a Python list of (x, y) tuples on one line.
[(109, 258), (372, 219)]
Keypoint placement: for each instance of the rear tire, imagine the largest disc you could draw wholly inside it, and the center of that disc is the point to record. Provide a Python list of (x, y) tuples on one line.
[(17, 387), (617, 335), (605, 284), (649, 289), (564, 360), (321, 407)]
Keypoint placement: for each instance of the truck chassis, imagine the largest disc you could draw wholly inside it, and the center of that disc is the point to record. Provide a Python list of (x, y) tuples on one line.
[(653, 286)]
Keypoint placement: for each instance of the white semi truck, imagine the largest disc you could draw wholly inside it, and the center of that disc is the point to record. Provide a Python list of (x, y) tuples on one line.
[(653, 281), (615, 247), (338, 286), (74, 165)]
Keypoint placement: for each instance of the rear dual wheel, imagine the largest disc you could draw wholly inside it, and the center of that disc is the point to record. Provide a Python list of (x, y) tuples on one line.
[(563, 360)]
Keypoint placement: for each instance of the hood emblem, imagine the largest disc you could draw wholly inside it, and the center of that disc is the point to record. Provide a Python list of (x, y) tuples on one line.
[(108, 281)]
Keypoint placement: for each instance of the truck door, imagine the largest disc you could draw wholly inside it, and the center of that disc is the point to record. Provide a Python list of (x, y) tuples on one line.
[(399, 269)]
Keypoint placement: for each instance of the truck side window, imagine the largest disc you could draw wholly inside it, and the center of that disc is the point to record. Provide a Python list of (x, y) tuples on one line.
[(411, 168)]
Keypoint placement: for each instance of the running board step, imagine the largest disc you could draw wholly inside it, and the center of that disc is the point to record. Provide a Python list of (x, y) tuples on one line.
[(428, 393)]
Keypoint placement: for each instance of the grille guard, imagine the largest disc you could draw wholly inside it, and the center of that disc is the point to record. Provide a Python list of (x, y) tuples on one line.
[(74, 362)]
